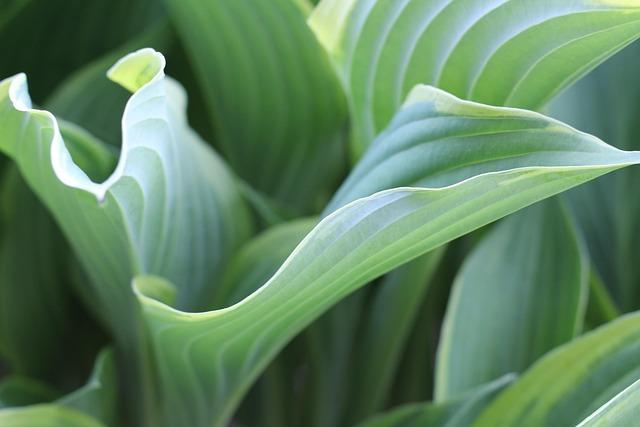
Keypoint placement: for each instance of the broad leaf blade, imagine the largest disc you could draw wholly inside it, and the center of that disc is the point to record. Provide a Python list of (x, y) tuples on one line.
[(454, 413), (278, 108), (260, 258), (98, 396), (170, 207), (572, 381), (355, 244), (606, 212), (517, 53), (438, 140), (47, 415), (520, 293), (621, 411), (155, 184)]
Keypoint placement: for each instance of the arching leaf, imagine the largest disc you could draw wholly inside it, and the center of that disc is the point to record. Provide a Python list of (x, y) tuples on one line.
[(357, 243), (500, 52)]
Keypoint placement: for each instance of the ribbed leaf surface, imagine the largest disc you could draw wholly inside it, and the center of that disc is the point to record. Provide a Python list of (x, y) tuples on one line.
[(277, 107), (572, 381), (368, 237), (501, 52), (520, 293)]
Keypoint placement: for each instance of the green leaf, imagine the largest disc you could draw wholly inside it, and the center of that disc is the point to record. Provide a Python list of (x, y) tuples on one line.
[(278, 108), (361, 241), (90, 100), (454, 413), (36, 304), (46, 416), (170, 207), (98, 397), (520, 293), (260, 258), (621, 411), (154, 184), (437, 140), (384, 333), (574, 380), (516, 53), (606, 213)]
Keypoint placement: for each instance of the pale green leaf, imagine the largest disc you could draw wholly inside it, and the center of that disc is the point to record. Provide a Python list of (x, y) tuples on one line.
[(170, 207), (165, 176), (606, 213), (90, 100), (98, 396), (278, 109), (501, 52), (621, 411), (454, 413), (260, 258), (361, 241), (572, 381), (46, 415), (520, 293)]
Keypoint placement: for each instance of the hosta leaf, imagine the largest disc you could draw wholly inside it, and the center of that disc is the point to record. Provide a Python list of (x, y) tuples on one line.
[(261, 257), (95, 103), (385, 329), (606, 213), (228, 348), (278, 108), (170, 207), (98, 396), (47, 415), (454, 413), (520, 293), (149, 215), (621, 411), (574, 380), (516, 53), (437, 140)]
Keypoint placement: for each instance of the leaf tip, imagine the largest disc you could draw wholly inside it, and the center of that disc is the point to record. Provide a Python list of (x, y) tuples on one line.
[(137, 69), (154, 288)]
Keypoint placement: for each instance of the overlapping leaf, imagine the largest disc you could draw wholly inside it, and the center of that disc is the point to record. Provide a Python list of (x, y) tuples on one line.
[(207, 360), (384, 333), (571, 382), (170, 207), (520, 293), (501, 52), (149, 215), (621, 411), (604, 209), (278, 109), (454, 413)]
